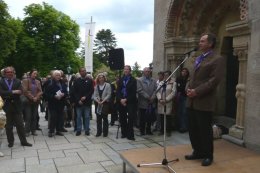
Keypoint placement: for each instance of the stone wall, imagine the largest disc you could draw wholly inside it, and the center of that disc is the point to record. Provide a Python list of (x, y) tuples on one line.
[(252, 110), (160, 18)]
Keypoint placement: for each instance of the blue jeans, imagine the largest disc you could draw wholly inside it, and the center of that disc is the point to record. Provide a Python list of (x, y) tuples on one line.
[(83, 111)]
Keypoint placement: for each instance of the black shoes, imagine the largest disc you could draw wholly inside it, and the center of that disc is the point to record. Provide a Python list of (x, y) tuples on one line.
[(142, 134), (68, 125), (59, 134), (149, 133), (98, 134), (50, 134), (131, 138), (26, 144), (123, 136), (193, 157), (64, 130), (78, 133), (87, 133), (10, 145), (34, 134), (38, 128), (206, 162)]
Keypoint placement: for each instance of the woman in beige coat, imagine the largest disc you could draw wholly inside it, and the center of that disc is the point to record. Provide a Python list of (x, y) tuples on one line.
[(102, 94), (165, 98)]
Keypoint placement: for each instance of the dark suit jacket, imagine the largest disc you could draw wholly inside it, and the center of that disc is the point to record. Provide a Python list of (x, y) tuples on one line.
[(83, 87), (205, 80), (11, 101), (50, 92), (131, 88)]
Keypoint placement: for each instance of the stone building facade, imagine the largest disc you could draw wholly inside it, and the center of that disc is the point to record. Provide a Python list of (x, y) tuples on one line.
[(178, 25)]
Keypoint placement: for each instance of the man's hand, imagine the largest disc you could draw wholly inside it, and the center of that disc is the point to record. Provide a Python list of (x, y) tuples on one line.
[(123, 102), (17, 92), (83, 98), (57, 97), (35, 99), (80, 102), (191, 93), (163, 102)]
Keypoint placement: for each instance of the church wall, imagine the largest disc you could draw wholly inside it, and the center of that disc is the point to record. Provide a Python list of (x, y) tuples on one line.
[(252, 111), (160, 16)]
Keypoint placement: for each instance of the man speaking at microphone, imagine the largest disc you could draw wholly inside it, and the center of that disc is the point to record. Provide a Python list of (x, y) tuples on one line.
[(201, 93)]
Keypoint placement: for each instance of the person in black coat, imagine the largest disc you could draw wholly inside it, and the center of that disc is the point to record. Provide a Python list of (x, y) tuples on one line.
[(56, 94), (10, 91), (83, 90), (127, 101)]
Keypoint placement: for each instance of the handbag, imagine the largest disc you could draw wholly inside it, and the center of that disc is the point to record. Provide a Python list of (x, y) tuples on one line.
[(2, 114), (2, 119), (105, 108)]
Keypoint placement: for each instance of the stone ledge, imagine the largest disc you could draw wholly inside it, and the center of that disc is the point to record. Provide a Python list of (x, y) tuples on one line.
[(233, 140)]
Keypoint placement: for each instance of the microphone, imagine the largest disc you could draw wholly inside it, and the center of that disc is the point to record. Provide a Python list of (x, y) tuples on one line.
[(193, 50)]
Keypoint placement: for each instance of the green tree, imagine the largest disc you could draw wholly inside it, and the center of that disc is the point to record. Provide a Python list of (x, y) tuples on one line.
[(7, 33), (105, 40), (49, 39), (136, 72)]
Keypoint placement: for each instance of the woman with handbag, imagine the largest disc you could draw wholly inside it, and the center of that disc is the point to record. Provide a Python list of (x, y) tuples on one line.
[(32, 91), (102, 94)]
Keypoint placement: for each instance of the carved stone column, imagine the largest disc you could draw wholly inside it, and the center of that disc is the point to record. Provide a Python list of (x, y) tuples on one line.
[(241, 37), (237, 130)]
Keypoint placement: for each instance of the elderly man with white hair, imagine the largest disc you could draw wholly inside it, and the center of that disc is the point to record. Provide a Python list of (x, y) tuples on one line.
[(56, 93), (146, 87)]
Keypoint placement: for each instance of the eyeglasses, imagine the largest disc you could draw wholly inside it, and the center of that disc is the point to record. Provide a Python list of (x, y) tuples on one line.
[(9, 72)]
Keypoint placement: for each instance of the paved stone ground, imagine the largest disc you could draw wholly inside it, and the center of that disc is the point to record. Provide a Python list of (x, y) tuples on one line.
[(77, 154)]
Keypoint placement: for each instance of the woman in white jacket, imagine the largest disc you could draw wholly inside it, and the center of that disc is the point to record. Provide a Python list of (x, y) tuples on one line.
[(102, 94), (166, 98)]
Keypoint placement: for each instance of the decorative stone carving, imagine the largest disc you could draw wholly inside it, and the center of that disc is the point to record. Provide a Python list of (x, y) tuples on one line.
[(244, 10)]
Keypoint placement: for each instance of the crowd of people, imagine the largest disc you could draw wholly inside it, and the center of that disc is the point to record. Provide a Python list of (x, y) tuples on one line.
[(142, 102), (135, 102)]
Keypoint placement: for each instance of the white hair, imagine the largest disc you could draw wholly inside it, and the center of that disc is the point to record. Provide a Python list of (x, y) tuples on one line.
[(55, 72)]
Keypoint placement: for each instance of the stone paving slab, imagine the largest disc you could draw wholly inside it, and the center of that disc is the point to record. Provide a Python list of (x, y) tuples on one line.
[(41, 169), (68, 161), (51, 155), (12, 165), (32, 161), (86, 168), (93, 156), (65, 146), (24, 154)]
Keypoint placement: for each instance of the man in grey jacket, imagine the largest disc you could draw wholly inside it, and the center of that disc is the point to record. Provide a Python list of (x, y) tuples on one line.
[(146, 87)]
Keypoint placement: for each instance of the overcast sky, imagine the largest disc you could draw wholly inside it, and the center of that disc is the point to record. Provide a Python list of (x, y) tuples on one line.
[(130, 20)]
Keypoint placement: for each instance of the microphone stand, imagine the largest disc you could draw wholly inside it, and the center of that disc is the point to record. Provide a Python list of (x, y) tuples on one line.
[(165, 162)]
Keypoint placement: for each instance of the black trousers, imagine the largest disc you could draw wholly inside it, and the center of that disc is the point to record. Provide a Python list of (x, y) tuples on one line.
[(145, 124), (126, 117), (201, 133), (102, 126), (168, 123), (31, 113), (14, 118), (56, 119)]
